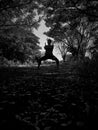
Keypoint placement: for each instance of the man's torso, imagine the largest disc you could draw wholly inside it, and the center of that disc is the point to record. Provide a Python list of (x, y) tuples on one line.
[(49, 50)]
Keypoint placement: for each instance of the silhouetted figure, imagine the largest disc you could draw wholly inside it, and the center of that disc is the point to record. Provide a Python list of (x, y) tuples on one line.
[(48, 53)]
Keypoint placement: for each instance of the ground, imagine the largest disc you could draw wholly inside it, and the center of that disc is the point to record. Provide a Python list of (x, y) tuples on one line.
[(47, 99)]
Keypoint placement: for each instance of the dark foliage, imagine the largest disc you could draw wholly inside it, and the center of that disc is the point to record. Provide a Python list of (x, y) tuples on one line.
[(17, 40)]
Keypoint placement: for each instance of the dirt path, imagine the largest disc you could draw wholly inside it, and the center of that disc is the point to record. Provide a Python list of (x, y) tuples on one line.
[(47, 99)]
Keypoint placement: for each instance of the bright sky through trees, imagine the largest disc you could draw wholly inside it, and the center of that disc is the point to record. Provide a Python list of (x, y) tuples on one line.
[(40, 34), (43, 38)]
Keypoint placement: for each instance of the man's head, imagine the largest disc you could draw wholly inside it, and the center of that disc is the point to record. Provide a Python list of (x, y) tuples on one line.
[(49, 41)]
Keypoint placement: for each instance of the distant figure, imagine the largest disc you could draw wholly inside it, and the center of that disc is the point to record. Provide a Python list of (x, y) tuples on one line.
[(48, 53)]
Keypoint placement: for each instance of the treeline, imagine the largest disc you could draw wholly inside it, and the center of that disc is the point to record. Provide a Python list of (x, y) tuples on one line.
[(17, 23)]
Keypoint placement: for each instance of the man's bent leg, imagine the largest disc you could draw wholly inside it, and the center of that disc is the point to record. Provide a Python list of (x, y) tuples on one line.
[(41, 59), (57, 61)]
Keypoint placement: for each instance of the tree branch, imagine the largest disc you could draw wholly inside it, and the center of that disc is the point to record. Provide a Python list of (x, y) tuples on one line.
[(14, 6), (84, 11), (15, 25)]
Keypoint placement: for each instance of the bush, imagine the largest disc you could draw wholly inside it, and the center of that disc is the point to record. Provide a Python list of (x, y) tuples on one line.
[(3, 61), (88, 67)]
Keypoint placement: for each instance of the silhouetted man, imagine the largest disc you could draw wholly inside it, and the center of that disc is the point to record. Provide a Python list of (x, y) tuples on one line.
[(48, 53)]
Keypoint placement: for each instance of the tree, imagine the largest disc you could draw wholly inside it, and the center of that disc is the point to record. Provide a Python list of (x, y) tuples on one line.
[(62, 48), (18, 44), (17, 21), (72, 22)]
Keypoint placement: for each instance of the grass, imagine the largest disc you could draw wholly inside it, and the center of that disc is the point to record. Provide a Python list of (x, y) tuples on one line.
[(47, 99)]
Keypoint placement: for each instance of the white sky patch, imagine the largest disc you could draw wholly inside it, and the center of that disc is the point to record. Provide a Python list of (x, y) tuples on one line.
[(52, 15), (88, 54), (91, 43), (25, 15), (22, 16), (50, 8), (40, 5), (43, 38), (36, 16), (40, 34), (63, 24), (14, 20)]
